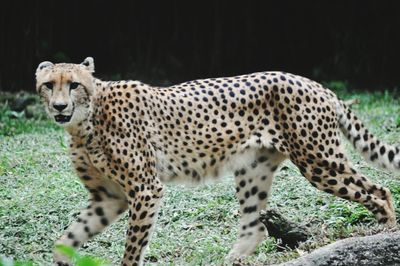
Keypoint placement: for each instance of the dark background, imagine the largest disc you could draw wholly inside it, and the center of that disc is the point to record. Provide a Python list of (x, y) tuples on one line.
[(164, 42)]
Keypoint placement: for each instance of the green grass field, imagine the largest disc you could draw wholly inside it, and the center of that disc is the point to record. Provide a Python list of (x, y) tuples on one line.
[(40, 195)]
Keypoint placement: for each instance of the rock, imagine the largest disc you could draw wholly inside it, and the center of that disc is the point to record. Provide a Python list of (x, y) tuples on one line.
[(35, 111), (20, 103), (291, 234), (381, 249)]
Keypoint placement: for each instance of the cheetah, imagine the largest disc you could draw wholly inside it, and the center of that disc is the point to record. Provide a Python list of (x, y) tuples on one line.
[(127, 139)]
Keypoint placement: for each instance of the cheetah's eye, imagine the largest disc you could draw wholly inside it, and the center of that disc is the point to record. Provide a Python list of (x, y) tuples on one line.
[(48, 85), (74, 85)]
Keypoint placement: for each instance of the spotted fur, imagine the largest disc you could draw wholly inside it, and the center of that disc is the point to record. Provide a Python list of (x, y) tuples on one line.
[(128, 138)]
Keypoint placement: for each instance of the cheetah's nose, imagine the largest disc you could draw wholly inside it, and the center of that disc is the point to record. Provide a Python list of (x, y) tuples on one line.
[(60, 107)]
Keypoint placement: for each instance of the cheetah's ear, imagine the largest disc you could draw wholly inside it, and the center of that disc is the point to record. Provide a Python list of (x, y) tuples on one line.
[(43, 65), (88, 63)]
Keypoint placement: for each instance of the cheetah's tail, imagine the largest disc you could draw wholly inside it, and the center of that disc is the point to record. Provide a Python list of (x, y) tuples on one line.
[(379, 153)]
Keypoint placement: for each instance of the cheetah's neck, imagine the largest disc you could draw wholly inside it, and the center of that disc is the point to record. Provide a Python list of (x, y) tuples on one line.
[(81, 131)]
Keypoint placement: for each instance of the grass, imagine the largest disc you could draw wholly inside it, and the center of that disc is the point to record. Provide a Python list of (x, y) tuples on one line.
[(40, 195), (14, 123)]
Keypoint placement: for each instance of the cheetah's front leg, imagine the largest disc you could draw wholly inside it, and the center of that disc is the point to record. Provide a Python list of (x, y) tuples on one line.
[(102, 210), (144, 201)]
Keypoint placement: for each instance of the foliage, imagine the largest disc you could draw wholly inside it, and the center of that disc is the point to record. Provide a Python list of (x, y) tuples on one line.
[(10, 262), (69, 252), (13, 123), (79, 260), (341, 214)]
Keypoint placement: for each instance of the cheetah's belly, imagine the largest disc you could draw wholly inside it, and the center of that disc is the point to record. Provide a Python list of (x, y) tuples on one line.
[(202, 170)]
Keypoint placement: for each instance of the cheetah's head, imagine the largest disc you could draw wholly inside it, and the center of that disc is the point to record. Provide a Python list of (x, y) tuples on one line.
[(66, 90)]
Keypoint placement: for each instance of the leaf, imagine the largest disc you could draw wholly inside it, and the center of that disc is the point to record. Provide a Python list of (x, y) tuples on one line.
[(15, 114), (62, 142), (67, 251), (88, 261), (23, 263), (4, 261), (78, 259)]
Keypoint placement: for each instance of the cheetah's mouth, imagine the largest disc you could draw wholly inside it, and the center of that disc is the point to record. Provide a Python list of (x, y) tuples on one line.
[(62, 118)]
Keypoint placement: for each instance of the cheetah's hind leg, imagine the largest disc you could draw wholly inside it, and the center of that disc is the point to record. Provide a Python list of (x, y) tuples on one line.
[(337, 177), (253, 184)]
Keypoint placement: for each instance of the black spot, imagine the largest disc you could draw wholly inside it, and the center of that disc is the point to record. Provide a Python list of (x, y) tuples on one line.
[(253, 223), (250, 209), (97, 197), (144, 228), (104, 221), (318, 171), (265, 121), (332, 182), (262, 195), (316, 178), (86, 177), (349, 180), (343, 191), (382, 150), (391, 156), (136, 228), (81, 169), (143, 215), (138, 206), (262, 159), (99, 211)]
